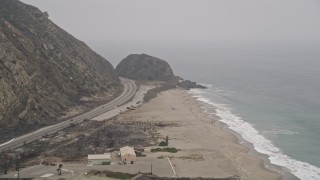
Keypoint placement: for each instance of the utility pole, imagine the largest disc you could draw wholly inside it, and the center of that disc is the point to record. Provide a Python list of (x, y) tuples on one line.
[(151, 169), (104, 128), (18, 165), (59, 169), (167, 140)]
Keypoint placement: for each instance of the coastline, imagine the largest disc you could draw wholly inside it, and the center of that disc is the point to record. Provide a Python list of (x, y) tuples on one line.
[(267, 165), (208, 147)]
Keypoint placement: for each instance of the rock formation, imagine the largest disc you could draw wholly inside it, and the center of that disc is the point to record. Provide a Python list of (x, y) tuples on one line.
[(44, 71), (144, 67)]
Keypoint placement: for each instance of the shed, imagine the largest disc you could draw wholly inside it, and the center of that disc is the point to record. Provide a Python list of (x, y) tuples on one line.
[(127, 154), (99, 159)]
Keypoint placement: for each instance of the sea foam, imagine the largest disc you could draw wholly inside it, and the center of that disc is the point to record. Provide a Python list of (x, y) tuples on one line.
[(302, 170)]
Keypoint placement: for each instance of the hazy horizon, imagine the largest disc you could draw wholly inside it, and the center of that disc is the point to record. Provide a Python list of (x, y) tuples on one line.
[(186, 20)]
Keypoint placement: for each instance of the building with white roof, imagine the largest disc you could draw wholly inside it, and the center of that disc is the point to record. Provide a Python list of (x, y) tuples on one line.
[(99, 159), (127, 154)]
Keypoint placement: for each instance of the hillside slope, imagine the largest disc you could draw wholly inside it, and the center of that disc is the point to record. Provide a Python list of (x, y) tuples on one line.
[(44, 71)]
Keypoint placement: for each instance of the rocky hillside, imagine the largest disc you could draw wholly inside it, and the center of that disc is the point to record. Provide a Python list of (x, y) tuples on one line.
[(44, 71), (144, 67)]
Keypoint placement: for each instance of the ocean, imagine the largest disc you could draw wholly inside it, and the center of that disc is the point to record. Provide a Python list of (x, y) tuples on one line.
[(268, 93)]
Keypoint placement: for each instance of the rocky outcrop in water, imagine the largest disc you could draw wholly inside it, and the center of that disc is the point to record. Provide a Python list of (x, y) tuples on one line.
[(44, 71), (187, 84)]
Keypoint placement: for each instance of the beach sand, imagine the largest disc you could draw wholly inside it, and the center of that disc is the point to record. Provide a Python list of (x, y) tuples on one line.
[(207, 149)]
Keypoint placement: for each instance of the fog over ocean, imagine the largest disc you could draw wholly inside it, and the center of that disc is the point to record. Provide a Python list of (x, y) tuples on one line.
[(268, 93)]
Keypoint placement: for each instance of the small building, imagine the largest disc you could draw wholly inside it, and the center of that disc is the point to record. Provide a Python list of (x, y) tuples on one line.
[(99, 159), (127, 154), (147, 150)]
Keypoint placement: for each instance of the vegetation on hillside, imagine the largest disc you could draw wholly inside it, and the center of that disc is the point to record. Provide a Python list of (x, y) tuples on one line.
[(152, 93)]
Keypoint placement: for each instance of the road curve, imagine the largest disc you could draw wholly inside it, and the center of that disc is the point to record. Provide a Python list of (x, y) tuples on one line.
[(127, 94)]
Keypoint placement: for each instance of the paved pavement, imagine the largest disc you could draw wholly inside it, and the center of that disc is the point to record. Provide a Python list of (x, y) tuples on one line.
[(130, 89), (136, 101)]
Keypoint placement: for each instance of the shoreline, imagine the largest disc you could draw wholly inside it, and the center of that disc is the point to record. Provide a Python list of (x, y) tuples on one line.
[(267, 165), (204, 141), (286, 175), (251, 151)]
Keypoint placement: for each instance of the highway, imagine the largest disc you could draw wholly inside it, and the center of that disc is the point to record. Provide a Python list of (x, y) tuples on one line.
[(128, 93)]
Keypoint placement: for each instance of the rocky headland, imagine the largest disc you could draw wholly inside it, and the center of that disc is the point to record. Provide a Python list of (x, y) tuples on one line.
[(143, 67)]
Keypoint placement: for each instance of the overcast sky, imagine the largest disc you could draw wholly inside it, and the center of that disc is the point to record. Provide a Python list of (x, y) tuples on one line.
[(186, 20)]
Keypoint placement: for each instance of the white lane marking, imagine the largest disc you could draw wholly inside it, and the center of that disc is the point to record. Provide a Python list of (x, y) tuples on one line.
[(47, 175), (174, 172), (7, 142)]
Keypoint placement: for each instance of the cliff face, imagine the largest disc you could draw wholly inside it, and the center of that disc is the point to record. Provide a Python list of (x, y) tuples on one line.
[(44, 71), (144, 67)]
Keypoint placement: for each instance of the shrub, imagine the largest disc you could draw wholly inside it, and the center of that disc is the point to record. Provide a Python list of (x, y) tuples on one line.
[(118, 175), (110, 174), (162, 143), (105, 163), (167, 149)]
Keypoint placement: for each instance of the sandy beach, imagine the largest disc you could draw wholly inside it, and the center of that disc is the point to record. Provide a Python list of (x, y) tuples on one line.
[(207, 149)]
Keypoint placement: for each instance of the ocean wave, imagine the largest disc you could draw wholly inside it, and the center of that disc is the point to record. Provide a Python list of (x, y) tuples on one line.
[(302, 170), (276, 132)]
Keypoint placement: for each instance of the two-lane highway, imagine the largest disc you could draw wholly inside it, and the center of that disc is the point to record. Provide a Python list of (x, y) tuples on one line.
[(127, 94)]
